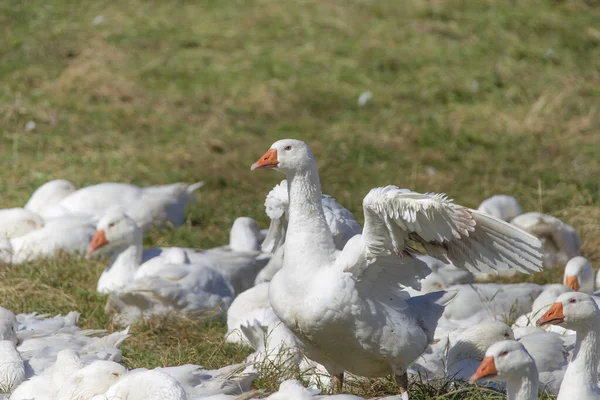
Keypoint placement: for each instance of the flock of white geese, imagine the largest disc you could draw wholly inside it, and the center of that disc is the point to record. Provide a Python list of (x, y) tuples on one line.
[(315, 292)]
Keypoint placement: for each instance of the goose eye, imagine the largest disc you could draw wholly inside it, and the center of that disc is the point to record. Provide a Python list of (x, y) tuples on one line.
[(506, 335), (503, 353), (287, 148), (111, 224), (573, 301), (115, 374)]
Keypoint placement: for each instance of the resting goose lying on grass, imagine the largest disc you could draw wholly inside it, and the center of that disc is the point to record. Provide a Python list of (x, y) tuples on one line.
[(160, 285)]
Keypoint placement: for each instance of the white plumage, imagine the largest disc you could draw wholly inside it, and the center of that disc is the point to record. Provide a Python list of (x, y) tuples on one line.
[(560, 241), (501, 206), (467, 238), (341, 223), (347, 306), (15, 222), (70, 234), (150, 205)]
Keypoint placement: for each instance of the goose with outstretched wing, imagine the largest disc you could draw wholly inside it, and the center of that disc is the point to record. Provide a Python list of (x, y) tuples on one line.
[(348, 307)]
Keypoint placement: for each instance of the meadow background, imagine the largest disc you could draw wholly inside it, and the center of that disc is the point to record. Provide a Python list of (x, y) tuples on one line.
[(470, 98)]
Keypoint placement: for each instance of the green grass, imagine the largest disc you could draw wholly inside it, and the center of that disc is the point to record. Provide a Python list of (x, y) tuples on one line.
[(469, 98)]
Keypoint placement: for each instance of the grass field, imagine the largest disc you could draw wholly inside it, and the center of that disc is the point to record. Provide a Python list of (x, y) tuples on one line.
[(469, 98)]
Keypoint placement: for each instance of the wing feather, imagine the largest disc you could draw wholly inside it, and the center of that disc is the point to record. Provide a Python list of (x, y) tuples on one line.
[(395, 218)]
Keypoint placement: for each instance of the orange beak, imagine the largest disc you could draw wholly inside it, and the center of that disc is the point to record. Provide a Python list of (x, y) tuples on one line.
[(98, 241), (486, 369), (269, 160), (572, 283), (553, 316)]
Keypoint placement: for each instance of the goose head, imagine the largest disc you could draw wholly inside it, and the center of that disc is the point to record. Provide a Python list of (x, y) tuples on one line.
[(506, 360), (115, 231), (91, 380), (573, 310), (579, 275), (286, 155)]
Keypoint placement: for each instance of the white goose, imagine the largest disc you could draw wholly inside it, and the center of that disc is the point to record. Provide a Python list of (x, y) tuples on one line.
[(501, 206), (146, 385), (486, 301), (119, 235), (157, 286), (458, 354), (91, 380), (150, 205), (46, 385), (468, 350), (61, 235), (509, 362), (347, 307), (560, 241), (579, 275), (578, 312)]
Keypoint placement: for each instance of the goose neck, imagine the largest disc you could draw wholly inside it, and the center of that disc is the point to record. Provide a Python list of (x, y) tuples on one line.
[(123, 267), (583, 367), (308, 236), (464, 349), (525, 387), (131, 255)]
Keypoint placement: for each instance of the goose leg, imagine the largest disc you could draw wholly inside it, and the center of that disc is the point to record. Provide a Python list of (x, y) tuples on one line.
[(337, 382), (402, 381)]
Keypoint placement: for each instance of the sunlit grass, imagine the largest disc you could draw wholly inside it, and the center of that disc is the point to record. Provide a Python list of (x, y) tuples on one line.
[(469, 98)]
